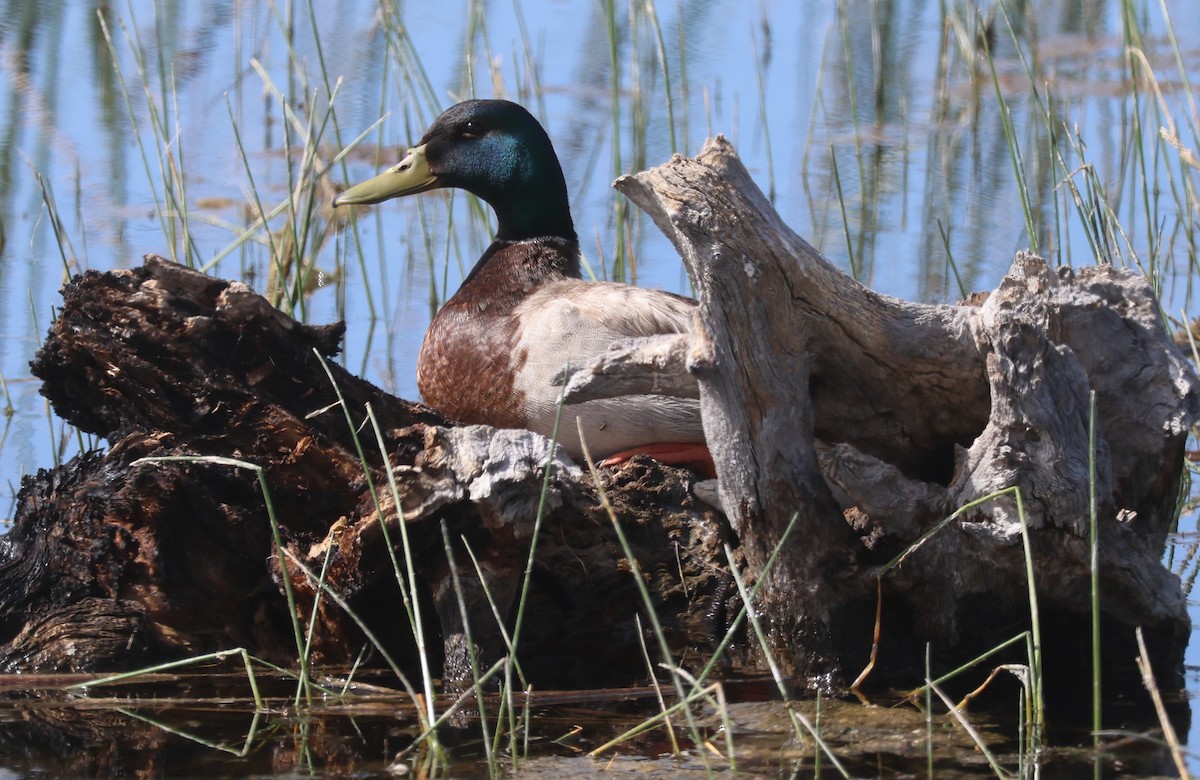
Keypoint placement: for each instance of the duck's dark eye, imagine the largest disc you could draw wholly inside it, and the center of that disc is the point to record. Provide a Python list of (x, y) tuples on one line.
[(472, 129)]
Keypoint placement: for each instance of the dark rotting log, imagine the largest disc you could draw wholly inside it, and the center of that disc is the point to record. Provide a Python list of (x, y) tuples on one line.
[(163, 361), (844, 425)]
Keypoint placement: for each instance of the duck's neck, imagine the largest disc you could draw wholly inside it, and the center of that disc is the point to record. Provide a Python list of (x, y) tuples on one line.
[(535, 237), (518, 266), (535, 210)]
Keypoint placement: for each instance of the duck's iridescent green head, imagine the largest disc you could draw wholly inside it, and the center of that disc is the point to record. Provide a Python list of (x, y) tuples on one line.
[(494, 149)]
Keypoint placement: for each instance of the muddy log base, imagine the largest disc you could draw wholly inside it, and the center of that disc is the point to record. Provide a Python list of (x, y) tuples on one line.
[(849, 425)]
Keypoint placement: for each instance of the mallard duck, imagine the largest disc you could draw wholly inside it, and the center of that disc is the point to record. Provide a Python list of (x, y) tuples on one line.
[(523, 313)]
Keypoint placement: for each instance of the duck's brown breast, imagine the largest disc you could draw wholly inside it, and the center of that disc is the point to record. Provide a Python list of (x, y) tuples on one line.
[(466, 368), (472, 352)]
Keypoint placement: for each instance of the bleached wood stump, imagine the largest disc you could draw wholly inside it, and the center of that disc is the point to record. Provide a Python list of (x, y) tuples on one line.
[(826, 402)]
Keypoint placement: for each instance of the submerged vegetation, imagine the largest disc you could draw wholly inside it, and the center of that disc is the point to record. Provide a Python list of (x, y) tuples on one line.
[(917, 147)]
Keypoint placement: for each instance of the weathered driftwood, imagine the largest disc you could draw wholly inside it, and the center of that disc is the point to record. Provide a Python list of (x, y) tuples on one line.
[(858, 421), (929, 408)]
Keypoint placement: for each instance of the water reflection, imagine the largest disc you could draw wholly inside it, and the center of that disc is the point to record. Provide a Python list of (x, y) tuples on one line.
[(189, 726)]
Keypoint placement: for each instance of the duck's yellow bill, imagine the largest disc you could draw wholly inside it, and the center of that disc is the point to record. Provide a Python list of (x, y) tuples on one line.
[(408, 177)]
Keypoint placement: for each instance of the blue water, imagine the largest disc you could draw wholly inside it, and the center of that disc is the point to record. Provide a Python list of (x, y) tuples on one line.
[(860, 88)]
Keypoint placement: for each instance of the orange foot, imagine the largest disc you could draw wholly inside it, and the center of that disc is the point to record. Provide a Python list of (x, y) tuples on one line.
[(693, 456)]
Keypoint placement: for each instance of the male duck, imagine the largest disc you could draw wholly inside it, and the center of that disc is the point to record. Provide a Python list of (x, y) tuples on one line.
[(523, 313)]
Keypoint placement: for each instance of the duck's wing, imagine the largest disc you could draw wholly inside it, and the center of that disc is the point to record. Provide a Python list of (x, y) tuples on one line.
[(573, 321), (565, 324), (624, 310)]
